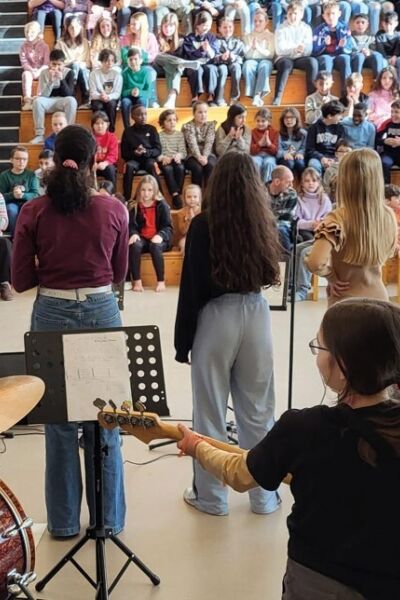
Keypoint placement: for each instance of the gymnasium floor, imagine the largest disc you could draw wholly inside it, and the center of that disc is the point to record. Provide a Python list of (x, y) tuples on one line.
[(197, 556)]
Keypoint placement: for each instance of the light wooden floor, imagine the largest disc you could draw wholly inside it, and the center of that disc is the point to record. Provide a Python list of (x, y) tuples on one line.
[(241, 556)]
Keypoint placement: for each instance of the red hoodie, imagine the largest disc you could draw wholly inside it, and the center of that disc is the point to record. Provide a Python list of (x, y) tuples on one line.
[(107, 148), (257, 134)]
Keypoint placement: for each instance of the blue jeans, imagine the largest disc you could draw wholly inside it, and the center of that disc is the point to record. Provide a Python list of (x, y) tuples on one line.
[(232, 354), (265, 164), (303, 275), (375, 61), (297, 165), (340, 63), (63, 470), (12, 211), (256, 76), (316, 164)]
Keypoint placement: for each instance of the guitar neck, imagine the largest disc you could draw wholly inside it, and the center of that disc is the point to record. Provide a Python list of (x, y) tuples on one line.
[(173, 432)]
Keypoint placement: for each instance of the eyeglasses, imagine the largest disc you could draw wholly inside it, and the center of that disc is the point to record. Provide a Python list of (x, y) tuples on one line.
[(315, 347)]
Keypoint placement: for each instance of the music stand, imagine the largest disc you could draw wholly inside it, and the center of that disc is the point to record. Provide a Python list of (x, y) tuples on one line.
[(45, 358)]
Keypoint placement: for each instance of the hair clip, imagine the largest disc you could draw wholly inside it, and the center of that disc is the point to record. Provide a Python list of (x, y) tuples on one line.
[(69, 163)]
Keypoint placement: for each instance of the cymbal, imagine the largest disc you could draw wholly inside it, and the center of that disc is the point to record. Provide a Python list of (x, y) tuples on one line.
[(18, 395)]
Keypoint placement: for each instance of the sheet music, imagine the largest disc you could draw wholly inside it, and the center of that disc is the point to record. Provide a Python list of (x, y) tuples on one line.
[(96, 366)]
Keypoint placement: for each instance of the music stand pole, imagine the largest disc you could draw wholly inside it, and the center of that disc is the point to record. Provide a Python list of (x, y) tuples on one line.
[(292, 309)]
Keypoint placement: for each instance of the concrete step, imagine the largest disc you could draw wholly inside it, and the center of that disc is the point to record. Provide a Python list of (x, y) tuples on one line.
[(8, 59), (5, 150), (12, 73), (12, 103), (10, 46), (10, 88), (20, 6), (11, 31), (9, 118), (9, 134), (12, 18)]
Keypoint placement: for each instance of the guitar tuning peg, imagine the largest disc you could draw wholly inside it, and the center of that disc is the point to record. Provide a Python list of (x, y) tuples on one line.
[(126, 406), (113, 405), (99, 403), (139, 406)]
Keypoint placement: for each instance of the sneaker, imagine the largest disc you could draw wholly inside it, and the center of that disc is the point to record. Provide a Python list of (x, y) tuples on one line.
[(170, 101), (300, 296), (190, 497), (177, 202), (84, 106), (221, 102), (257, 101), (277, 101), (154, 105), (38, 139), (27, 105), (234, 101), (6, 291)]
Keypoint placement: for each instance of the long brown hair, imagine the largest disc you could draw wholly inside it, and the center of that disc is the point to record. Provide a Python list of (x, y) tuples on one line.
[(244, 243), (363, 336), (369, 226)]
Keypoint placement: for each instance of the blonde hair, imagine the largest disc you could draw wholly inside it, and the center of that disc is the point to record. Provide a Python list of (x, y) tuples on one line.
[(133, 202), (368, 225), (192, 186), (144, 28), (353, 79), (315, 176), (32, 25)]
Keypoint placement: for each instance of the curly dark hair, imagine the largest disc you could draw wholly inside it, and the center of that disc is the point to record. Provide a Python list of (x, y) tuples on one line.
[(244, 244), (68, 188)]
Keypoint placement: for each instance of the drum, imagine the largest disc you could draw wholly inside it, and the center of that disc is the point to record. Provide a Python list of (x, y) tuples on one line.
[(17, 547)]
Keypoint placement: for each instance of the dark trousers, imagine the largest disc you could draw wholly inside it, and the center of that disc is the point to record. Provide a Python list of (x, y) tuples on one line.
[(156, 252), (302, 583), (203, 79), (5, 259), (285, 66), (54, 18), (132, 167), (297, 165), (109, 173), (199, 173), (387, 163), (110, 108), (126, 107), (174, 175)]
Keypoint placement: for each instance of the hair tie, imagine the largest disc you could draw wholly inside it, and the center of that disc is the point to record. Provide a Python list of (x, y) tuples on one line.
[(70, 164)]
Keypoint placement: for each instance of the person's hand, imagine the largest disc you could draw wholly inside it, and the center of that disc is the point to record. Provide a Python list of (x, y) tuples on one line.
[(156, 239), (203, 160), (342, 43), (366, 52), (105, 97), (18, 192), (254, 43), (337, 288), (102, 165), (299, 156), (133, 239), (326, 162), (288, 156), (135, 92), (393, 60), (140, 150), (327, 40), (54, 74), (299, 49), (225, 56), (177, 158), (187, 445), (166, 160), (232, 133)]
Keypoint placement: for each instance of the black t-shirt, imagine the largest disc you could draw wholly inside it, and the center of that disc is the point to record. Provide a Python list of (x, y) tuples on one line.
[(345, 521)]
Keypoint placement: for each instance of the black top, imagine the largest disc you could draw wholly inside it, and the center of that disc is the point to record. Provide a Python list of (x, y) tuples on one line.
[(197, 286), (137, 221), (134, 136), (345, 520), (388, 130), (322, 138), (345, 101)]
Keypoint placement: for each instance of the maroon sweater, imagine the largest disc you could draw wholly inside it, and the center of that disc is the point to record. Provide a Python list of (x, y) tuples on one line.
[(86, 249)]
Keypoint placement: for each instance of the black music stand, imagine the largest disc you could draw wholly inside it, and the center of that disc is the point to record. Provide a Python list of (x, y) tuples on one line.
[(45, 358)]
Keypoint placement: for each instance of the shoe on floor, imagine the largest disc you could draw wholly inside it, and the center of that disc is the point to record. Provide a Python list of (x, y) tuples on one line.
[(27, 105), (38, 139), (6, 292), (190, 497), (85, 106)]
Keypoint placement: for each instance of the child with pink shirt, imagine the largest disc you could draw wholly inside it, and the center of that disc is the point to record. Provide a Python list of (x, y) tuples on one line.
[(384, 92), (34, 57)]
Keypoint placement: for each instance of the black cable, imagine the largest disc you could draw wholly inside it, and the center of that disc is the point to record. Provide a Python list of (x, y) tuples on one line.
[(148, 462)]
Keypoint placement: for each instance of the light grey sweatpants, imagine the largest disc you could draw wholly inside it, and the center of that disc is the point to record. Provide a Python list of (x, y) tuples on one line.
[(42, 105), (232, 353)]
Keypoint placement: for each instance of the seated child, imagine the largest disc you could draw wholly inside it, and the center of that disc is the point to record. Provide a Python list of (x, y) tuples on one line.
[(140, 147), (34, 58), (323, 135), (106, 157), (283, 199), (354, 94), (5, 255), (46, 163), (56, 92), (365, 54), (259, 51), (343, 147), (229, 58), (47, 11), (150, 230), (385, 90), (105, 86), (388, 39), (136, 85), (292, 141), (315, 101), (392, 198), (58, 122), (358, 130), (76, 50), (173, 153), (264, 144), (312, 206), (388, 141), (18, 185), (191, 208), (76, 8)]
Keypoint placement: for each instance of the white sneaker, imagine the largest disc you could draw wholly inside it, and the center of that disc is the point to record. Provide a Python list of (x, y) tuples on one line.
[(27, 105), (154, 105), (257, 101), (38, 139), (170, 101)]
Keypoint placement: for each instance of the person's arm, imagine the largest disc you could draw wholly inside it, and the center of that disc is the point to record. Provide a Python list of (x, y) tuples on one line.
[(188, 49), (93, 88), (223, 141), (117, 88), (164, 226), (126, 148), (6, 187), (312, 111), (58, 4), (155, 149), (371, 137), (380, 45), (33, 188), (189, 133), (112, 150), (67, 85), (311, 151), (3, 215), (23, 58), (152, 47), (319, 261), (319, 45), (182, 146), (274, 139), (45, 84), (243, 143), (119, 260), (307, 39), (209, 139), (23, 268)]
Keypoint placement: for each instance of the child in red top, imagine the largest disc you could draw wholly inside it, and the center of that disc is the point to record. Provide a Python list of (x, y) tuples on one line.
[(150, 230), (264, 144), (107, 147)]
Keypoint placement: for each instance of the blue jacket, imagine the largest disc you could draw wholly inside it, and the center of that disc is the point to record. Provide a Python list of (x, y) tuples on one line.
[(360, 136), (342, 32)]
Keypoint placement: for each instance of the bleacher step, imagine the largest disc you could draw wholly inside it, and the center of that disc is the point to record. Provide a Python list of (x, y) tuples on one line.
[(10, 88), (9, 102), (12, 18), (11, 46), (11, 31), (9, 59), (4, 165), (9, 134), (20, 6), (10, 73), (9, 118), (5, 150)]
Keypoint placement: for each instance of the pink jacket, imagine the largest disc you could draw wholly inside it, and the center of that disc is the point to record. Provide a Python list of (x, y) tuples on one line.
[(34, 56), (152, 48), (379, 103)]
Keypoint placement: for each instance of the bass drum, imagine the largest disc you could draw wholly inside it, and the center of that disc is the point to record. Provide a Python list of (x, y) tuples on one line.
[(16, 551)]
